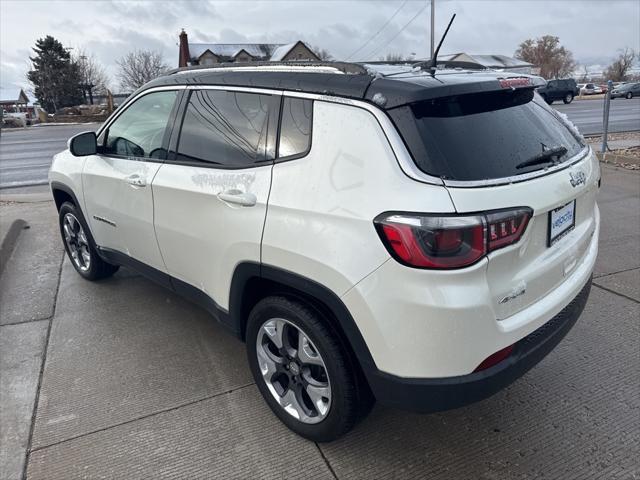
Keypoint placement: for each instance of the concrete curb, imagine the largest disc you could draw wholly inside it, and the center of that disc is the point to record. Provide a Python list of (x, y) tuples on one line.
[(32, 193), (9, 241), (632, 163), (7, 193)]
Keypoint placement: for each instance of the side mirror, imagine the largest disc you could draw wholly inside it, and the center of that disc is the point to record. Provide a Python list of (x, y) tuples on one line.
[(83, 144)]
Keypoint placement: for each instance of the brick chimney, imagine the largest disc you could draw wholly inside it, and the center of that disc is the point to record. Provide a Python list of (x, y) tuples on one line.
[(183, 57)]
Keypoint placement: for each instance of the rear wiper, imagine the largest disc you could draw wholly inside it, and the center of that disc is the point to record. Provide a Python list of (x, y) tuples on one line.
[(545, 157)]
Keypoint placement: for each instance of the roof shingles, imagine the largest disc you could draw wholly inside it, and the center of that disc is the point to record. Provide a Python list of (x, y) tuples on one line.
[(230, 50)]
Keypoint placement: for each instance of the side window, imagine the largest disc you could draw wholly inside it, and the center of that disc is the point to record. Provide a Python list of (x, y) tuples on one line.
[(225, 128), (139, 130), (295, 126)]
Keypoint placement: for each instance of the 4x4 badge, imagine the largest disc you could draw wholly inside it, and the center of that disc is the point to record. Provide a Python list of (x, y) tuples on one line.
[(578, 178)]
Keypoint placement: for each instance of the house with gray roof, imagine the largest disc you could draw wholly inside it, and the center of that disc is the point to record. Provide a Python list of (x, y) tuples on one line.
[(212, 53), (13, 97)]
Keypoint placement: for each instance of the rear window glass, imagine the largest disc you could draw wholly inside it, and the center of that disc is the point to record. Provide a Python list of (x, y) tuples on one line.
[(295, 127), (483, 136)]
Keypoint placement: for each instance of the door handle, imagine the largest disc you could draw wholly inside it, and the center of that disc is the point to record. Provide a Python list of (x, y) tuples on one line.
[(136, 180), (238, 197)]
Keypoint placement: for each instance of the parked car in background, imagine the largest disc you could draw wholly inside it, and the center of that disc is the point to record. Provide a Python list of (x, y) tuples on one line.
[(559, 89), (604, 87), (421, 239), (590, 89), (626, 90)]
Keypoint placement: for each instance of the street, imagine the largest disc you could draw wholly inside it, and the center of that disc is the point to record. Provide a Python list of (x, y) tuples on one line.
[(624, 115), (25, 154), (131, 381)]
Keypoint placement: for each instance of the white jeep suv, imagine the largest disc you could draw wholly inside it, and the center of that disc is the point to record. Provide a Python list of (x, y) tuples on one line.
[(420, 238)]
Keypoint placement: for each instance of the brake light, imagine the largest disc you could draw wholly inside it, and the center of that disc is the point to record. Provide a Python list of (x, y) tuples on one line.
[(449, 241), (515, 82)]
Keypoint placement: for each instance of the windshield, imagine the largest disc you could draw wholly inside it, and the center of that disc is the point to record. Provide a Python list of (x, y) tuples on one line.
[(485, 135)]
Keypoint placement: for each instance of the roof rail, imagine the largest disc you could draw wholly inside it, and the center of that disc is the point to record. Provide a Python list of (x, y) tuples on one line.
[(286, 66)]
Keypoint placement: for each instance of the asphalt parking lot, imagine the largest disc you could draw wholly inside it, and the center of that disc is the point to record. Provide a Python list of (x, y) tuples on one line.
[(130, 381), (586, 114)]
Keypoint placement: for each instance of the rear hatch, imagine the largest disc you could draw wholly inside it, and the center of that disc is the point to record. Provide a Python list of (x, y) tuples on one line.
[(506, 149)]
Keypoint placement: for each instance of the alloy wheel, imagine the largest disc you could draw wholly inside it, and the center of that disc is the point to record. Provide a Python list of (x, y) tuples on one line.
[(76, 241), (293, 370)]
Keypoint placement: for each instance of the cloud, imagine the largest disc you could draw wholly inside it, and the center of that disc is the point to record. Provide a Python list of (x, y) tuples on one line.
[(109, 29)]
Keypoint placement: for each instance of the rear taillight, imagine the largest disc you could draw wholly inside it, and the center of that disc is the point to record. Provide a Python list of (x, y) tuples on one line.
[(506, 227), (449, 241)]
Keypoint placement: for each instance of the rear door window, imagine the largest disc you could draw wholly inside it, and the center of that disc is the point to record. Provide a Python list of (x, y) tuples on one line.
[(228, 129), (483, 136), (295, 127)]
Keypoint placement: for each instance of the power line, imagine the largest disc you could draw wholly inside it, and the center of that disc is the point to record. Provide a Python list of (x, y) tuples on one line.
[(400, 31), (380, 30)]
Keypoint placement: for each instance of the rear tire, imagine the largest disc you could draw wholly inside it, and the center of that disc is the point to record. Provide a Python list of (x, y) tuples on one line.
[(302, 370), (79, 245), (568, 98)]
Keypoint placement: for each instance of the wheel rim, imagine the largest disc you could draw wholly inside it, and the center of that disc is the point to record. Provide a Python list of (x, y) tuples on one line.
[(568, 98), (293, 370), (76, 241)]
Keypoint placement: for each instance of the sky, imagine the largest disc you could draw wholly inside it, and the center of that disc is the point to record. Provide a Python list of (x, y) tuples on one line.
[(594, 30)]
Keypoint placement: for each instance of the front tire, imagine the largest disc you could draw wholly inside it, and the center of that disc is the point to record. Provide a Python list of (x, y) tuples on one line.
[(568, 98), (302, 370), (629, 96), (79, 245)]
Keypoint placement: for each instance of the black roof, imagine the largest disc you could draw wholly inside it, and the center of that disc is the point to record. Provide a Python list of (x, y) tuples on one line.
[(398, 85)]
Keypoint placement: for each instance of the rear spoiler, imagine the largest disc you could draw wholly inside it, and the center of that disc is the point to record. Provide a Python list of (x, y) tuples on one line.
[(397, 92)]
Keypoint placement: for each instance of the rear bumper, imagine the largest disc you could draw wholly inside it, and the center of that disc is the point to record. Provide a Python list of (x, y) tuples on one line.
[(431, 395)]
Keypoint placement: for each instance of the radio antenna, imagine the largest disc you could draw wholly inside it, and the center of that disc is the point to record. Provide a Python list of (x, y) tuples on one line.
[(434, 60)]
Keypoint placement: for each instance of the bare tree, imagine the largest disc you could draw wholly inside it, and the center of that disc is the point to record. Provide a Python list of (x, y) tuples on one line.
[(322, 53), (545, 52), (584, 78), (139, 67), (394, 57), (618, 71), (92, 75)]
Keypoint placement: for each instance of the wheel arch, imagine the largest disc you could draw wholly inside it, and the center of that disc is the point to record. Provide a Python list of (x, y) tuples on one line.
[(251, 282), (63, 193)]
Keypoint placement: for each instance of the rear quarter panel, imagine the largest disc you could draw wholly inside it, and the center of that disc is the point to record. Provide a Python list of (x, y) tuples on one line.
[(321, 207)]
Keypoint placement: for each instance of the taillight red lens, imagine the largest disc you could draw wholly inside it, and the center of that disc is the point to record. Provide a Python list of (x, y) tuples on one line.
[(433, 241), (455, 241), (505, 228)]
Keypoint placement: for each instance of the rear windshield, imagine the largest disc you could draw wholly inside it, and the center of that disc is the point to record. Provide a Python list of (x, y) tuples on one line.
[(484, 136)]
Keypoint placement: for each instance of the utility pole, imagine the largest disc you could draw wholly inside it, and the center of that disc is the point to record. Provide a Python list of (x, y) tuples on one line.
[(433, 23), (605, 119)]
